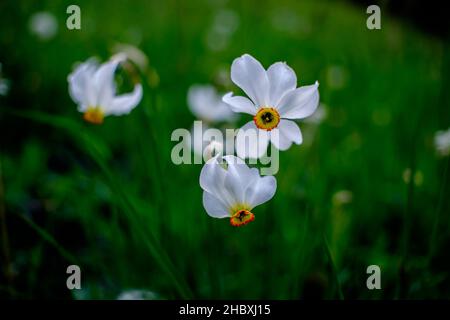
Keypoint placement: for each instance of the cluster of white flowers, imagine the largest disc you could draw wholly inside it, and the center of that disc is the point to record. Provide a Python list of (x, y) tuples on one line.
[(231, 188)]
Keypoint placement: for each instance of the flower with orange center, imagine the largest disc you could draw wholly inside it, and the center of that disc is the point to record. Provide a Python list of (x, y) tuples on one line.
[(267, 118), (231, 189), (93, 88), (274, 100)]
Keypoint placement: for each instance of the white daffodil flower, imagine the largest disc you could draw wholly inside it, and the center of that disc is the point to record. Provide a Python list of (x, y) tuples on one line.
[(93, 88), (206, 104), (274, 99), (232, 189), (442, 142)]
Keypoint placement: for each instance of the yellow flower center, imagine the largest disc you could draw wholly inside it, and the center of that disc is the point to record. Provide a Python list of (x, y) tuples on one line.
[(267, 118), (241, 217), (94, 115)]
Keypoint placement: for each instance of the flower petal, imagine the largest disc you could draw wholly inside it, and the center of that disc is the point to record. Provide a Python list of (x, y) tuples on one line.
[(262, 190), (124, 103), (299, 103), (251, 142), (80, 84), (237, 179), (288, 132), (214, 206), (239, 104), (279, 141), (250, 76), (104, 79), (282, 79), (212, 179)]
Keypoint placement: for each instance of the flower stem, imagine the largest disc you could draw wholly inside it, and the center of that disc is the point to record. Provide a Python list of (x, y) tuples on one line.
[(333, 267)]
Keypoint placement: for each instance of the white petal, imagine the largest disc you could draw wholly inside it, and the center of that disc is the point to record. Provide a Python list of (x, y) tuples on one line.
[(282, 79), (250, 76), (299, 103), (214, 206), (239, 104), (251, 142), (287, 132), (279, 141), (81, 84), (262, 190), (104, 80), (237, 179), (232, 159), (212, 179), (124, 103)]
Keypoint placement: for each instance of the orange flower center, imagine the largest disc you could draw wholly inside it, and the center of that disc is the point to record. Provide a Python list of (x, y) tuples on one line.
[(241, 218), (94, 115), (267, 118)]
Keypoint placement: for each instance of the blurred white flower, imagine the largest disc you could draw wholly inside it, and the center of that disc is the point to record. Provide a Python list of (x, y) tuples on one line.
[(93, 88), (44, 25), (442, 142), (232, 189), (342, 197), (225, 24), (133, 54), (134, 294), (274, 99), (4, 84), (206, 104)]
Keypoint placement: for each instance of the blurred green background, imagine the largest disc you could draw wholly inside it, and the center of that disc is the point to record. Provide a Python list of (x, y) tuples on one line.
[(365, 188)]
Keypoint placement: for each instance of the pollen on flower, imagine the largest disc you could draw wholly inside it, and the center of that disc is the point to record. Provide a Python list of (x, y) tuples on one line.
[(267, 118), (241, 218), (94, 115)]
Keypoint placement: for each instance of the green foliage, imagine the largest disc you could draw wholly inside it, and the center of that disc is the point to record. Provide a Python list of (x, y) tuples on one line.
[(365, 187)]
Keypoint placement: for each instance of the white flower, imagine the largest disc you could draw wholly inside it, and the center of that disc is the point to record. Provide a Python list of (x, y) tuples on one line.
[(206, 104), (232, 189), (4, 84), (274, 98), (93, 88), (136, 294), (442, 142), (44, 25)]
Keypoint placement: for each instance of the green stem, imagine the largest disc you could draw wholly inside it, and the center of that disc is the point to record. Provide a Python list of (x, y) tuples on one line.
[(437, 216), (333, 268), (50, 239), (88, 142)]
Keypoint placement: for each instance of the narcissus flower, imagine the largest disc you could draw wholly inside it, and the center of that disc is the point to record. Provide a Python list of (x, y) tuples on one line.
[(93, 88), (274, 100), (232, 189), (206, 104)]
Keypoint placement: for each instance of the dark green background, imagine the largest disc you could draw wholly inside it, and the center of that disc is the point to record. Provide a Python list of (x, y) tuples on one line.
[(109, 199)]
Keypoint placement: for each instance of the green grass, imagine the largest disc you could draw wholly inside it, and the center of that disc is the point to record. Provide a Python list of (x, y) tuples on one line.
[(110, 198)]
